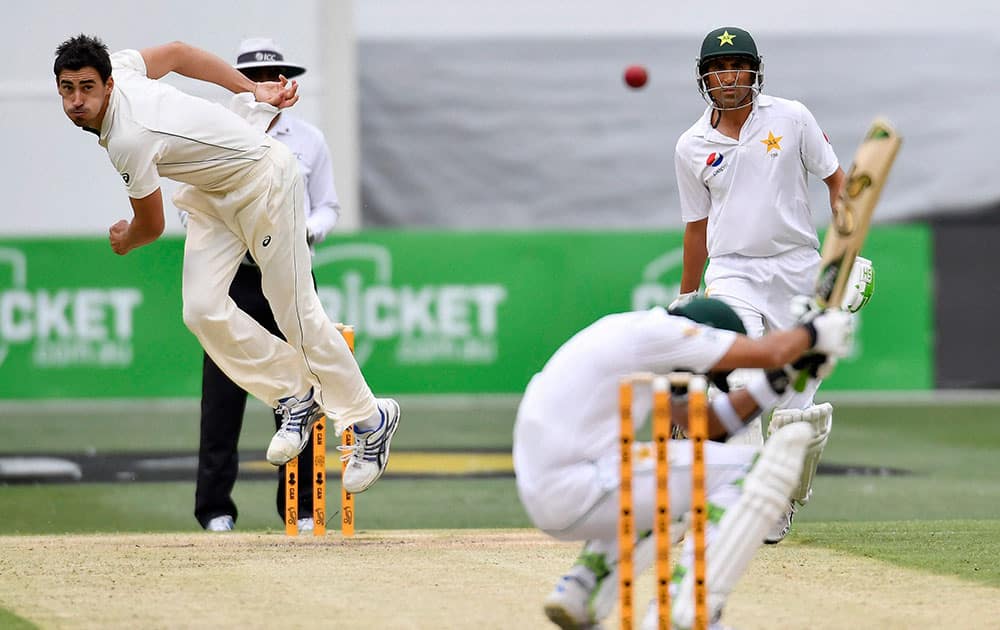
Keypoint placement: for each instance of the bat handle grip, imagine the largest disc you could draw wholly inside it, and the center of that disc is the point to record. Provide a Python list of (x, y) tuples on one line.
[(800, 380)]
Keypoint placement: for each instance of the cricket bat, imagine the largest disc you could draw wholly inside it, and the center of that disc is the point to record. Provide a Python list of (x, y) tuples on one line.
[(852, 215)]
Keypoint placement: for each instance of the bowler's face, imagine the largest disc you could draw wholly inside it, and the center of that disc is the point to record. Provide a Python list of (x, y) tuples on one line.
[(84, 96)]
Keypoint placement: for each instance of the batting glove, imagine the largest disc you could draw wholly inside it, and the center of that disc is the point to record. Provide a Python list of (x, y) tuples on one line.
[(831, 332), (682, 300), (814, 365), (860, 285)]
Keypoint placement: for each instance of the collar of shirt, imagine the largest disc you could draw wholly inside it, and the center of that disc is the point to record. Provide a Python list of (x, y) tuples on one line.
[(705, 128), (282, 127), (109, 115)]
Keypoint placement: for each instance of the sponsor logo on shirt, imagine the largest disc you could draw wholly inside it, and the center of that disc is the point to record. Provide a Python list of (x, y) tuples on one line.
[(715, 160)]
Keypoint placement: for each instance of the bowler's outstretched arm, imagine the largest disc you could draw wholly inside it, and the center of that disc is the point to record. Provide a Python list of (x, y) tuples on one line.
[(202, 65)]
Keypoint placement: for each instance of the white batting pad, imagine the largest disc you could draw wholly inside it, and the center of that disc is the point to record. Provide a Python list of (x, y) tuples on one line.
[(820, 418), (765, 496)]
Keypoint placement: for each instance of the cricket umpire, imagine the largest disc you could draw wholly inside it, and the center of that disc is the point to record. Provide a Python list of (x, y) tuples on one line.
[(222, 401)]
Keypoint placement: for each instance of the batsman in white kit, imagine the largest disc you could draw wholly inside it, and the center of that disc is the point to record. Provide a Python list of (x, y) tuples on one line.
[(742, 173), (243, 192), (567, 464)]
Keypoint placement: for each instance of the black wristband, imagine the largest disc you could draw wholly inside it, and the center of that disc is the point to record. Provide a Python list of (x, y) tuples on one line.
[(811, 329)]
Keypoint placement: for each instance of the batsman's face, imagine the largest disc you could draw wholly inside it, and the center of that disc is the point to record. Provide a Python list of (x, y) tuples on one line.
[(729, 80), (84, 96)]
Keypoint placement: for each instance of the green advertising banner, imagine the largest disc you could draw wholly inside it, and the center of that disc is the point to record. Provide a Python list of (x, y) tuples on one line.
[(435, 312), (77, 321)]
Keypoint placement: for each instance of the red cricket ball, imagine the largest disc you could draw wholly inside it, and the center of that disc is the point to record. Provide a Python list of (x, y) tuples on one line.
[(636, 77)]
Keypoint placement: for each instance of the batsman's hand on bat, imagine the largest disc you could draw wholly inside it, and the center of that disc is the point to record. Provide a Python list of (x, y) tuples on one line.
[(818, 366), (682, 300), (832, 334), (860, 285)]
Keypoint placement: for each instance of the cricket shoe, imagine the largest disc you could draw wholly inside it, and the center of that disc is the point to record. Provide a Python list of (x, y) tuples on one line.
[(368, 456), (224, 523), (781, 527), (306, 524), (587, 593), (569, 605), (298, 415)]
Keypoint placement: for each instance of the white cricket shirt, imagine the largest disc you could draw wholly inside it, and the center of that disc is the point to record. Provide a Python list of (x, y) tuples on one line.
[(754, 190), (569, 413), (152, 130)]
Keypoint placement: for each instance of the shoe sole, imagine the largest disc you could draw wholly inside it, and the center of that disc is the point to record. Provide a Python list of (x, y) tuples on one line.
[(385, 460), (558, 615)]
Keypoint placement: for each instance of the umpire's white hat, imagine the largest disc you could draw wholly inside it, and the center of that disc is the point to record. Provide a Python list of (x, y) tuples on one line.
[(263, 52)]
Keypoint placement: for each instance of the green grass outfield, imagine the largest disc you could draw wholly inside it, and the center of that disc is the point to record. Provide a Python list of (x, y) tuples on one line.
[(943, 517)]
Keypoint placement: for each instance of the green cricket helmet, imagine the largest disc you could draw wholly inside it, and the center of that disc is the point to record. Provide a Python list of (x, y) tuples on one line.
[(729, 41), (717, 314)]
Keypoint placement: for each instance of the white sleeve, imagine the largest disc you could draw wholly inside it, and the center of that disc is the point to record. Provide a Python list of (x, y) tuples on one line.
[(259, 115), (135, 157), (668, 342), (695, 198), (818, 155), (128, 61), (324, 209)]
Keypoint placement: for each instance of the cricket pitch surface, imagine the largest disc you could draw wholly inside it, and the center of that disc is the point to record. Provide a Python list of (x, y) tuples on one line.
[(432, 579)]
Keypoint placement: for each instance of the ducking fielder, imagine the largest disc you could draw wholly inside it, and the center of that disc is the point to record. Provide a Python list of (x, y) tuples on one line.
[(742, 172), (567, 464)]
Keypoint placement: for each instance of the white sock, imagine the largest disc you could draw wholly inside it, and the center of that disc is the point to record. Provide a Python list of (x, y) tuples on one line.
[(370, 423)]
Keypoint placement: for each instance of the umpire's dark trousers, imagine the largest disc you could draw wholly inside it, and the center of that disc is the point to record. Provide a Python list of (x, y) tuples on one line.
[(222, 405)]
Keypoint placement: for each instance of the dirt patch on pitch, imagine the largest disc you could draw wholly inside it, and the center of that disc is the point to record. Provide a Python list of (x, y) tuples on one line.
[(426, 579)]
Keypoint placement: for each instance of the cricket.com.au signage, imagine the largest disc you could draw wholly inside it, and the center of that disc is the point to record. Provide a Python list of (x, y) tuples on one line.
[(65, 326), (435, 312), (430, 323), (77, 321)]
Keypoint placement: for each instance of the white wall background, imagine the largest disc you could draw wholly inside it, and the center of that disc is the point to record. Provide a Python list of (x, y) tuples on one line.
[(477, 18), (57, 179)]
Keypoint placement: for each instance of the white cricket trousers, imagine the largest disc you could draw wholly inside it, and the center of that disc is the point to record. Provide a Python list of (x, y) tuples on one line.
[(592, 488), (262, 213), (760, 290)]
